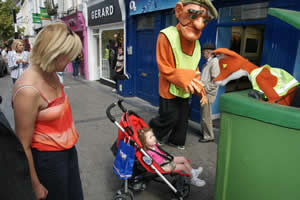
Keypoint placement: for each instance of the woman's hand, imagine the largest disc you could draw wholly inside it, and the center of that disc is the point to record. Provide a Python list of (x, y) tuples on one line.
[(24, 62), (40, 191), (19, 61)]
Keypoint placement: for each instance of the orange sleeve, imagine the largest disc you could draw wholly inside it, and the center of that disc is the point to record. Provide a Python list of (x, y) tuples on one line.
[(266, 81), (167, 68)]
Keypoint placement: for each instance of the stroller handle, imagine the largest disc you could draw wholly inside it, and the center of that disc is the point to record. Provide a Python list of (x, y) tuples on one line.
[(111, 106), (121, 106), (110, 117)]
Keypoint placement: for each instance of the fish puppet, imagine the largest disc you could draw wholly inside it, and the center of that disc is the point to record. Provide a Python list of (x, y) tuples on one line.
[(276, 84)]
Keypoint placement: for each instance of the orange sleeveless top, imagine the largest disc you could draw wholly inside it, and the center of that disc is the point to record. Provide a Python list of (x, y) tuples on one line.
[(54, 126)]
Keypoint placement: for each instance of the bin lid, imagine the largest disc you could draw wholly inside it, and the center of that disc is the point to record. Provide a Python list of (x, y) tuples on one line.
[(240, 104), (291, 17)]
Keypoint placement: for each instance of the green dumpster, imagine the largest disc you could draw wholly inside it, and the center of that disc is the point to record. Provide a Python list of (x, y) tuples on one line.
[(258, 151)]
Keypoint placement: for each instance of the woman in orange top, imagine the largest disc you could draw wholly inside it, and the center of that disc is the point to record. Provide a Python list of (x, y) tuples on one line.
[(43, 116)]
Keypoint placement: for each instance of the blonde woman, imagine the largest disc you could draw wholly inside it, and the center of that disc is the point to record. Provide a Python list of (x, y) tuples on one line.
[(17, 59), (43, 116)]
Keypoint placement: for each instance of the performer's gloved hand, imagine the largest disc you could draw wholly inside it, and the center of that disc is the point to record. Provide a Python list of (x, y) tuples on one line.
[(198, 88), (195, 85)]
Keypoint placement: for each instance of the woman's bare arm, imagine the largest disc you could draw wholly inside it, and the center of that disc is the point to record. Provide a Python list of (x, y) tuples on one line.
[(26, 107)]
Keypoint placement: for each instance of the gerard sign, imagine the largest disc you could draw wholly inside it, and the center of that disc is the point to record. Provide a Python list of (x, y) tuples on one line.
[(104, 12)]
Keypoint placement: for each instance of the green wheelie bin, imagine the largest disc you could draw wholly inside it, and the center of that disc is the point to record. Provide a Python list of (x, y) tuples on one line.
[(258, 151)]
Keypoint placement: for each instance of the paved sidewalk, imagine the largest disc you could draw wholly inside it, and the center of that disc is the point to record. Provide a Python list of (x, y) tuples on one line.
[(89, 101)]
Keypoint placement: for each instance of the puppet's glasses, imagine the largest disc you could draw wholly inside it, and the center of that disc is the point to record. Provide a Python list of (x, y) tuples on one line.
[(193, 14)]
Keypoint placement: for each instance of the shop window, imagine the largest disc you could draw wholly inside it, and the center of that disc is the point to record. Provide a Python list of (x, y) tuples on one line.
[(145, 22), (171, 20), (248, 42), (245, 12), (111, 41), (251, 45)]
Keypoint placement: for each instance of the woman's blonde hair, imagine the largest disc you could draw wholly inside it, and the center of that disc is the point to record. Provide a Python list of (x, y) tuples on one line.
[(15, 43), (142, 136), (52, 41)]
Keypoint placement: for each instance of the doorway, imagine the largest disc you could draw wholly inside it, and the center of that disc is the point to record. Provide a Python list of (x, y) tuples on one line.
[(146, 70), (248, 42), (109, 50)]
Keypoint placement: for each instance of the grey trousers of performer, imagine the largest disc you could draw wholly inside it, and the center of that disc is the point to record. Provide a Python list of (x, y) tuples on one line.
[(173, 119), (206, 121)]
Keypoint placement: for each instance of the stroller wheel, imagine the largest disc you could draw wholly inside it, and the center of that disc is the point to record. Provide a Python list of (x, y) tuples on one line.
[(121, 195), (182, 185), (139, 186), (186, 190)]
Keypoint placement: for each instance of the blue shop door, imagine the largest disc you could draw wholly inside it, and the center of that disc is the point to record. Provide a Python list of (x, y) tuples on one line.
[(146, 70)]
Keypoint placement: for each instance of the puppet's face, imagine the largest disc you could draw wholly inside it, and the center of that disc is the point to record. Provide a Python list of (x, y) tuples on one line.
[(192, 19)]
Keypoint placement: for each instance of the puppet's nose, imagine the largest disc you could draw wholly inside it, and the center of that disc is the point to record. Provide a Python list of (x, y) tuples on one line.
[(199, 23)]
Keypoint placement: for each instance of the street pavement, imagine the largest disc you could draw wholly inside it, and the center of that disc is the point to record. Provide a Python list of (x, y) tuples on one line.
[(89, 100)]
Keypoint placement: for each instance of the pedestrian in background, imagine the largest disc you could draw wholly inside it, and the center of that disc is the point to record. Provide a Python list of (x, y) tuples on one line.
[(27, 45), (76, 64), (17, 59), (3, 62), (112, 59), (210, 71), (4, 54), (106, 52), (43, 116), (119, 68)]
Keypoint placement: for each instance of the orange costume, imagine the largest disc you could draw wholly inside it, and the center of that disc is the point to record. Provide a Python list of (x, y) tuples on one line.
[(167, 66), (178, 53), (174, 111), (276, 84)]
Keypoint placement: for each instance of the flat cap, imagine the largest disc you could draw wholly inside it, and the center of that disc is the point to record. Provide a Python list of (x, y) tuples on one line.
[(206, 4), (209, 46)]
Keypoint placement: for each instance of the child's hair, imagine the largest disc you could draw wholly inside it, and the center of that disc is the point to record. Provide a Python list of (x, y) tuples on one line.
[(142, 137)]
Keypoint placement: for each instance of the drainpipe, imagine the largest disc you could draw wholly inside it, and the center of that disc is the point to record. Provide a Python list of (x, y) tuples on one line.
[(15, 22)]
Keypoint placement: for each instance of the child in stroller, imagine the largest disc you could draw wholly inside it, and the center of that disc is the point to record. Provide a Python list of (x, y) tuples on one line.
[(178, 163), (145, 168)]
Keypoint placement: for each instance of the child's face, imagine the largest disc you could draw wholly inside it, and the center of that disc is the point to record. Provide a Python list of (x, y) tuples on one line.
[(150, 139)]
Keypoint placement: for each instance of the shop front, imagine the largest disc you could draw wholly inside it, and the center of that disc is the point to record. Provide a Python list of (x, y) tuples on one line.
[(77, 24), (106, 25)]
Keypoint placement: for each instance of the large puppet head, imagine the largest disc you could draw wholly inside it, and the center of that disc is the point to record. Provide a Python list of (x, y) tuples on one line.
[(193, 16)]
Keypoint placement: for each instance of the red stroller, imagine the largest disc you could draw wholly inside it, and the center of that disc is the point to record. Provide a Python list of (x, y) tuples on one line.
[(145, 169)]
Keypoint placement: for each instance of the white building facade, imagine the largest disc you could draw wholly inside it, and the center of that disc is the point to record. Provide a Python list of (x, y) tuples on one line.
[(105, 19)]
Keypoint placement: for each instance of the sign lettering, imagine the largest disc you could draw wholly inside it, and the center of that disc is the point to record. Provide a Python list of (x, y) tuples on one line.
[(105, 12)]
